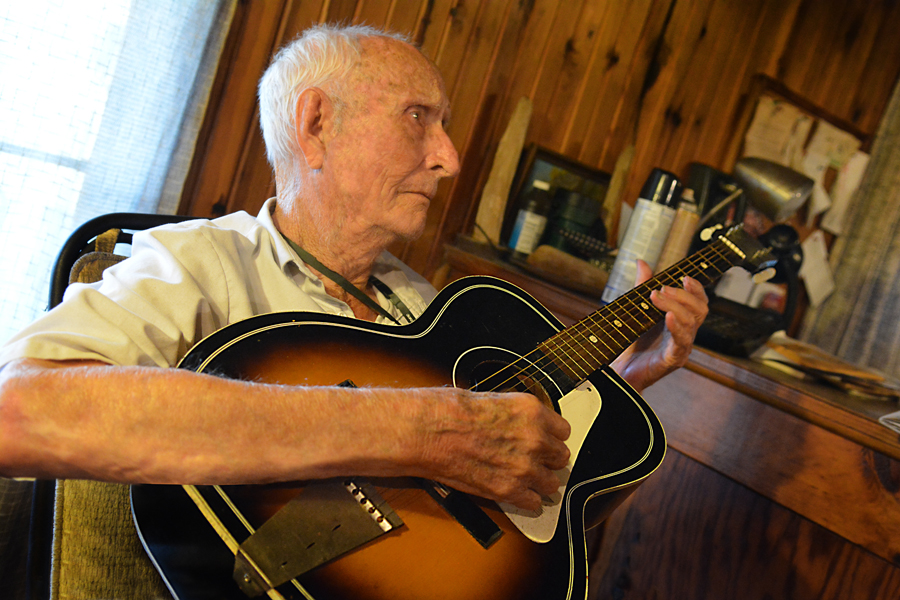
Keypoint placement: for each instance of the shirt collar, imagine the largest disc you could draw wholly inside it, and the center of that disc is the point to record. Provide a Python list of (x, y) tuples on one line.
[(285, 255), (283, 252)]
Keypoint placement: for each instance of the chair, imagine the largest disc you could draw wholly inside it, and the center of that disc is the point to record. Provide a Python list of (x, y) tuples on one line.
[(82, 540), (15, 506)]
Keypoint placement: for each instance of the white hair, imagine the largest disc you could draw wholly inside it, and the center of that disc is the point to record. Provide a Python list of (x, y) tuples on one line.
[(322, 56)]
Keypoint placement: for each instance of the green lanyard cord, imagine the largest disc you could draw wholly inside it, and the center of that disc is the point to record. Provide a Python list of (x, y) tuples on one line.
[(352, 289)]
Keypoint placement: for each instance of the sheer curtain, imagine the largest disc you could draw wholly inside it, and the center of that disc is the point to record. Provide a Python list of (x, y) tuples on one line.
[(99, 109), (860, 321)]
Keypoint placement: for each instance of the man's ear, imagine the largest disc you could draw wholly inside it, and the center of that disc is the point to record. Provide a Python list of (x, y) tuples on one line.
[(314, 119)]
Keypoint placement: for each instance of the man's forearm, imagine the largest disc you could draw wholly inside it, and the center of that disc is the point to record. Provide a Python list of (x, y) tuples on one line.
[(144, 424), (152, 425)]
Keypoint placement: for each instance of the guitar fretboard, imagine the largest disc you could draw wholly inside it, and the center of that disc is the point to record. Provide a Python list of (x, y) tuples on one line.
[(600, 337)]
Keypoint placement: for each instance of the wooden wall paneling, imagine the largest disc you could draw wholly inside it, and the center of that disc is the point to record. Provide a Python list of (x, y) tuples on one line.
[(757, 51), (705, 70), (747, 48), (230, 117), (848, 51), (372, 12), (525, 73), (778, 32), (518, 57), (452, 47), (549, 69), (826, 58), (879, 75), (476, 67), (404, 15), (486, 125), (255, 181), (338, 11), (578, 59), (596, 71), (620, 112), (689, 532), (498, 99), (629, 110), (822, 47), (605, 83), (532, 33), (808, 50), (435, 21), (680, 41)]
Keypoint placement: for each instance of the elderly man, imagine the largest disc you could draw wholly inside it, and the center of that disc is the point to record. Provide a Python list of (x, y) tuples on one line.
[(355, 125)]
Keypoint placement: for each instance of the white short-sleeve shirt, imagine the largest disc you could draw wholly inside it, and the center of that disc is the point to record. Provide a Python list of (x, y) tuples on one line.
[(186, 281)]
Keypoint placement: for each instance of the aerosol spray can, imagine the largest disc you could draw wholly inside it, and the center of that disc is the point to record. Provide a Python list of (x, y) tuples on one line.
[(647, 231), (682, 233)]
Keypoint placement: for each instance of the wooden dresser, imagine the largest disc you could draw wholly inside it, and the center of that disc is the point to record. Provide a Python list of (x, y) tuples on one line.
[(773, 487)]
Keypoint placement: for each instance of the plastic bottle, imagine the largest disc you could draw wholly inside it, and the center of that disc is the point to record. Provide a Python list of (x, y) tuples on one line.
[(531, 220), (682, 233), (647, 231)]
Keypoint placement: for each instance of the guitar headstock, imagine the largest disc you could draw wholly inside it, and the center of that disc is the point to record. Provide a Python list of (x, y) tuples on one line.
[(756, 258)]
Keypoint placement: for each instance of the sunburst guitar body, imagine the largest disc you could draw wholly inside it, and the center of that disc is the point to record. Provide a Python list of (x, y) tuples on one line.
[(405, 539)]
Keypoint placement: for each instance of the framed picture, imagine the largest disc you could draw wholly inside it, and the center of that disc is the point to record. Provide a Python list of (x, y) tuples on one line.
[(562, 173)]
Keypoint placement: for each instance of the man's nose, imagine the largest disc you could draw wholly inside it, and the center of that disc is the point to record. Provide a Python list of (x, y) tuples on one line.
[(442, 155)]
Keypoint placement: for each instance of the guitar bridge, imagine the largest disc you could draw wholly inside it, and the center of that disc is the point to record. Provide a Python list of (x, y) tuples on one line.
[(326, 520), (370, 501)]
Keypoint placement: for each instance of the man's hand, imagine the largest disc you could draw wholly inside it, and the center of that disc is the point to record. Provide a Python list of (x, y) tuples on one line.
[(504, 447), (665, 347)]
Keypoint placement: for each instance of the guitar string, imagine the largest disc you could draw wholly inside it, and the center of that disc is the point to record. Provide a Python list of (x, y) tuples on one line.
[(640, 291), (650, 284), (577, 335), (641, 306)]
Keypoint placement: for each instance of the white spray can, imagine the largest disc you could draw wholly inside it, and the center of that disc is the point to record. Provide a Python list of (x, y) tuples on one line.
[(647, 231)]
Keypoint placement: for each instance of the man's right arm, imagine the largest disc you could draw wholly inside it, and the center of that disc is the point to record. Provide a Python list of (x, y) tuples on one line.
[(155, 425)]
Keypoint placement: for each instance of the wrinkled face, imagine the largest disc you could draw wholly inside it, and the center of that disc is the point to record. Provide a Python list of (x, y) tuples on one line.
[(391, 148)]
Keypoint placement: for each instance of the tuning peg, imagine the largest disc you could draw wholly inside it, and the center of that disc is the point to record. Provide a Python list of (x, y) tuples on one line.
[(707, 233), (764, 275)]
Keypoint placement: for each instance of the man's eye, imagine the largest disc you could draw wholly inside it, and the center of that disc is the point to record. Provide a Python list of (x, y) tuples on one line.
[(416, 115)]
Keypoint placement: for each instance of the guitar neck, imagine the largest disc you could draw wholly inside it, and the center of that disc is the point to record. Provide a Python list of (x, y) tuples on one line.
[(600, 337)]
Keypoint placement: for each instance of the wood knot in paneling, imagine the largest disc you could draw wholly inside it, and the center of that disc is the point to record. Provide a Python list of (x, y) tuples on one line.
[(673, 116), (612, 58), (885, 469)]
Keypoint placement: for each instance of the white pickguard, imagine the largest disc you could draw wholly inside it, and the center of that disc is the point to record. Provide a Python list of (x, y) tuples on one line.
[(580, 408)]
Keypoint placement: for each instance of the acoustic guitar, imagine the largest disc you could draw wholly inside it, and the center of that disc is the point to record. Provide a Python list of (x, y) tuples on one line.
[(404, 539)]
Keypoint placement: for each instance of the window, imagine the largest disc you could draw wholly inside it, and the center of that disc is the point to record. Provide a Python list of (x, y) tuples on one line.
[(99, 107)]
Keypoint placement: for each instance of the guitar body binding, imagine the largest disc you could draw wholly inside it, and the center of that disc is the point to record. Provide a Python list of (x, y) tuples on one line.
[(475, 334)]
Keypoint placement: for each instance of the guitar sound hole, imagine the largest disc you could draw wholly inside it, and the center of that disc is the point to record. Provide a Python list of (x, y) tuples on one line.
[(496, 376)]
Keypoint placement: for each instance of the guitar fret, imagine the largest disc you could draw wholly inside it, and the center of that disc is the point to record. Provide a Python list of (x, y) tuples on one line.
[(583, 356), (587, 344), (595, 339), (575, 361), (601, 336), (570, 372)]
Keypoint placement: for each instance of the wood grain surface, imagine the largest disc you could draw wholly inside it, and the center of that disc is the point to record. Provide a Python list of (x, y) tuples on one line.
[(674, 78)]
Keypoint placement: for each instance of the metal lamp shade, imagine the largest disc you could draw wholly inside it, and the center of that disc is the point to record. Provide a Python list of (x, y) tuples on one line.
[(775, 190)]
